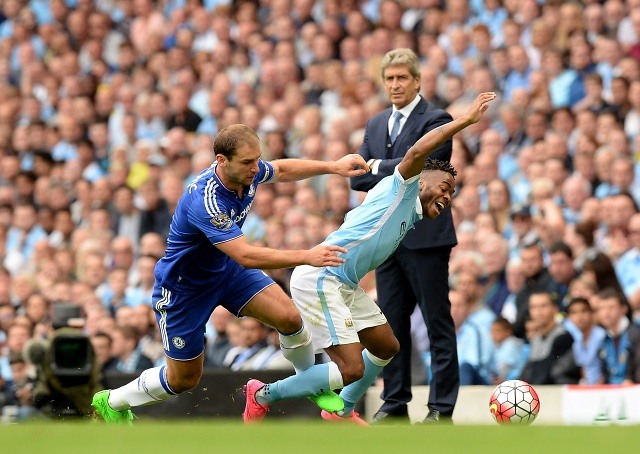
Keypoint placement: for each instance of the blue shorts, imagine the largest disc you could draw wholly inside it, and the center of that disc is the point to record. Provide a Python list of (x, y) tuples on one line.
[(182, 313)]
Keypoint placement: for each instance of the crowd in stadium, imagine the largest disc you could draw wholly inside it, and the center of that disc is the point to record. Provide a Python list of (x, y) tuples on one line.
[(108, 109)]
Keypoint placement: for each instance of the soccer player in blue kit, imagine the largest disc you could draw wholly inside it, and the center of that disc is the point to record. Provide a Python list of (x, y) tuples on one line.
[(342, 318), (208, 262)]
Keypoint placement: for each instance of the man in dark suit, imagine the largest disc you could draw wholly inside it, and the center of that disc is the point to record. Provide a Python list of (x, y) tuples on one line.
[(418, 271)]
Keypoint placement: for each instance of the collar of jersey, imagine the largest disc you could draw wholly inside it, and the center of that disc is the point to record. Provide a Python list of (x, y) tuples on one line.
[(418, 207), (230, 191)]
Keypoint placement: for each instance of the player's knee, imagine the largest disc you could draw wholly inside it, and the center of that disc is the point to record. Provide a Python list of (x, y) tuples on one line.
[(392, 348), (289, 323), (386, 350), (185, 382)]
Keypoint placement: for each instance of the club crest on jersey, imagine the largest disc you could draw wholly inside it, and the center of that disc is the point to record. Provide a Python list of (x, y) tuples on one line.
[(178, 342), (252, 190), (348, 323), (221, 221)]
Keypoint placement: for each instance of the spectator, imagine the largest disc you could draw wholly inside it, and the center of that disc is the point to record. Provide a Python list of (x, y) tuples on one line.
[(18, 334), (150, 343), (551, 359), (218, 344), (537, 279), (580, 61), (509, 352), (495, 251), (113, 293), (579, 238), (467, 283), (255, 335), (621, 334), (474, 345), (523, 232), (102, 346), (628, 267), (599, 269), (155, 214), (141, 290), (587, 339), (22, 237), (561, 270), (124, 349), (499, 204)]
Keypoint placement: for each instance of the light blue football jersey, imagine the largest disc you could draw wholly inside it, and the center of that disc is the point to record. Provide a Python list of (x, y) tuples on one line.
[(372, 231)]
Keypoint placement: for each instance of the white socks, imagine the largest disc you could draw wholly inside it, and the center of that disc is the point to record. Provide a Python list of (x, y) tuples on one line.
[(150, 388), (298, 349)]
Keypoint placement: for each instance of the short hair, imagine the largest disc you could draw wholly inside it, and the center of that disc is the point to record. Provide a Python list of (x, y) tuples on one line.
[(503, 323), (595, 77), (401, 57), (552, 297), (585, 231), (129, 332), (579, 300), (443, 166), (233, 137), (561, 247), (611, 293)]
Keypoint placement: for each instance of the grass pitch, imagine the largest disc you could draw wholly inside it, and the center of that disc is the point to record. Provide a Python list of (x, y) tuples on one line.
[(306, 437)]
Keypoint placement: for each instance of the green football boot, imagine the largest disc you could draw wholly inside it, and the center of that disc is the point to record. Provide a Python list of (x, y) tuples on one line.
[(101, 403), (329, 402)]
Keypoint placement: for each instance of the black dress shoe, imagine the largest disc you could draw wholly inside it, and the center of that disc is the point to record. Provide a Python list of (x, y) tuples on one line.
[(435, 417), (383, 418)]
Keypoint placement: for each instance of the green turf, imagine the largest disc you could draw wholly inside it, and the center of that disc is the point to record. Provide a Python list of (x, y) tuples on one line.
[(288, 436)]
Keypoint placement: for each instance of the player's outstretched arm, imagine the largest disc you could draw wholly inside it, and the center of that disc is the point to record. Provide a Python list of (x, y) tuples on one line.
[(251, 256), (413, 161), (287, 170)]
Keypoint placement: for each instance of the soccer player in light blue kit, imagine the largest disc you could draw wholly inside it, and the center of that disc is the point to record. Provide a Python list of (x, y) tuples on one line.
[(342, 318), (208, 262)]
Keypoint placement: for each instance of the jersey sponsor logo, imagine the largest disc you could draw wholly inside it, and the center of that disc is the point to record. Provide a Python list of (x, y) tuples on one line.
[(221, 221), (243, 213), (178, 342)]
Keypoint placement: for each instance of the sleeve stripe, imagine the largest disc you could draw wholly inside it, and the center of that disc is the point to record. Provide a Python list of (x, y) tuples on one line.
[(210, 202)]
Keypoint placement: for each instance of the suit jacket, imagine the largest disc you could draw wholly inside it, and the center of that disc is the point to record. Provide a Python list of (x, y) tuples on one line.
[(425, 117)]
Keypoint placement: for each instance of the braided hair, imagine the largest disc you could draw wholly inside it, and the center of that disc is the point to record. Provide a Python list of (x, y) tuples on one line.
[(436, 164)]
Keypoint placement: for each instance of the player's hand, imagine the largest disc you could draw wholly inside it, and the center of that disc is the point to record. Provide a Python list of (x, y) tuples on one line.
[(325, 255), (352, 165), (480, 106)]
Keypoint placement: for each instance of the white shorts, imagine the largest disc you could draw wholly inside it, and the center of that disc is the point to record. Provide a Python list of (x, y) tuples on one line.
[(332, 311)]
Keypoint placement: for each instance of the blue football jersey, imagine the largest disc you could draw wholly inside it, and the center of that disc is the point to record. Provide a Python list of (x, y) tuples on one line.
[(207, 214), (372, 231)]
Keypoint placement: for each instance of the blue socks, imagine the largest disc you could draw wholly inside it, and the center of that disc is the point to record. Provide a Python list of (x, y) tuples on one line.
[(315, 380), (354, 391)]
